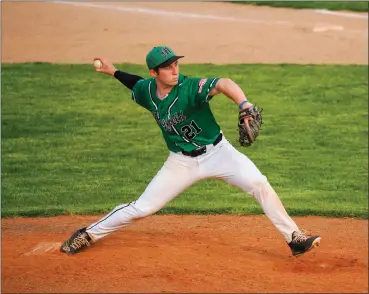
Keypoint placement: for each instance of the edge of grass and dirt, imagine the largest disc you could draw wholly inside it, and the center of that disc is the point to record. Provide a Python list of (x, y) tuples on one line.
[(168, 210), (354, 6)]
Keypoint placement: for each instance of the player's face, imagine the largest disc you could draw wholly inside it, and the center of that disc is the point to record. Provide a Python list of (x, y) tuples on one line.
[(168, 75)]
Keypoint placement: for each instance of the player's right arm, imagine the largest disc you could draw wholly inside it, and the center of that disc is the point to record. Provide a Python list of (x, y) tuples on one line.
[(125, 78), (138, 85)]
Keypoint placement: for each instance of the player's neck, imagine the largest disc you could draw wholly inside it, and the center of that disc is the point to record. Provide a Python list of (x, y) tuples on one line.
[(162, 91)]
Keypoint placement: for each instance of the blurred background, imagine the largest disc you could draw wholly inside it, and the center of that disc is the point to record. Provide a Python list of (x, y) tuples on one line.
[(206, 32)]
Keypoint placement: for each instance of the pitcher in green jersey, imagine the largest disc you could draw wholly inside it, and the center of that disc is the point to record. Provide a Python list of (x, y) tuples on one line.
[(197, 150)]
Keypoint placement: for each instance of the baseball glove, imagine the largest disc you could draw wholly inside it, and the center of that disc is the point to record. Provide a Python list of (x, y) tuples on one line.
[(249, 130)]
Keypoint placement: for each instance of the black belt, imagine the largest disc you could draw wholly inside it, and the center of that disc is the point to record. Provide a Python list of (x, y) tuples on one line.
[(202, 150)]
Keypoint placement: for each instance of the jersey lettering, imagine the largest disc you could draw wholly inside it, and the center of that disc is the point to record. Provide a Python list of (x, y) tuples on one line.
[(172, 121)]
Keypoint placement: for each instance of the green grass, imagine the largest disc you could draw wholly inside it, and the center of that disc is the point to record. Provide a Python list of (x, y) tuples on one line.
[(73, 142), (359, 6)]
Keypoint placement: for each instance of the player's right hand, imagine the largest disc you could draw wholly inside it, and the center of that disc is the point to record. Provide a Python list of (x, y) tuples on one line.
[(107, 67)]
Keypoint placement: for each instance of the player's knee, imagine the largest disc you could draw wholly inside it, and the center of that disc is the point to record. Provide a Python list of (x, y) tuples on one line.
[(145, 210), (259, 181), (257, 184)]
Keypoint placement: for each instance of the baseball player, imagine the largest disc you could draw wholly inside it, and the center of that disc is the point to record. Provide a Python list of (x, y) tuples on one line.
[(197, 150)]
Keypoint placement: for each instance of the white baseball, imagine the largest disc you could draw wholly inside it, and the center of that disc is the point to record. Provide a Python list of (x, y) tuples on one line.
[(97, 63)]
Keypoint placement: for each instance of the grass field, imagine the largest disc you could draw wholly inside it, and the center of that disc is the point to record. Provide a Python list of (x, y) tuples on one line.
[(359, 6), (74, 142)]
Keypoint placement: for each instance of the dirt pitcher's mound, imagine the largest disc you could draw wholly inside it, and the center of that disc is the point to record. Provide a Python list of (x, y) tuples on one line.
[(184, 254)]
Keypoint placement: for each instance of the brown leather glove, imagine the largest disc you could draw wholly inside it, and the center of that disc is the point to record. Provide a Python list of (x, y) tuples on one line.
[(249, 124)]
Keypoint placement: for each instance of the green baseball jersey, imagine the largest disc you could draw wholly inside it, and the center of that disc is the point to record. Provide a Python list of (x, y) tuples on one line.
[(184, 116)]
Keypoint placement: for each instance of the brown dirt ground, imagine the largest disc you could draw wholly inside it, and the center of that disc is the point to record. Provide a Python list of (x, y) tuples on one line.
[(54, 32), (182, 253), (185, 254)]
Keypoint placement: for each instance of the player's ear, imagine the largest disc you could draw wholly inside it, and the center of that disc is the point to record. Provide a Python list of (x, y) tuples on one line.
[(153, 73)]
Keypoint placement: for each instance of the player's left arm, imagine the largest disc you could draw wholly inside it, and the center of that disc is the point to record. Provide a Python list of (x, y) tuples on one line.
[(233, 91), (230, 89)]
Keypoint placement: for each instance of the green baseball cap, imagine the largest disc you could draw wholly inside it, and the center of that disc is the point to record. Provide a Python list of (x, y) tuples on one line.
[(160, 56)]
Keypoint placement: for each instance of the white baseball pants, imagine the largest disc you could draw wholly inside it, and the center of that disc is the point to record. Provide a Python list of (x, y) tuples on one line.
[(179, 172)]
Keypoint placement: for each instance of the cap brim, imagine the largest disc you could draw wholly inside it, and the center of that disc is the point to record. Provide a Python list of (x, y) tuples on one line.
[(170, 61)]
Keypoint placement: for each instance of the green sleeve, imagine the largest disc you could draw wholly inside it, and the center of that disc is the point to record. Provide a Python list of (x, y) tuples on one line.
[(141, 93), (200, 88), (138, 92)]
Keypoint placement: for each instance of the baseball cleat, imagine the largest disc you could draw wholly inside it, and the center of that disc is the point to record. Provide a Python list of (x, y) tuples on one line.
[(302, 243), (80, 240)]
